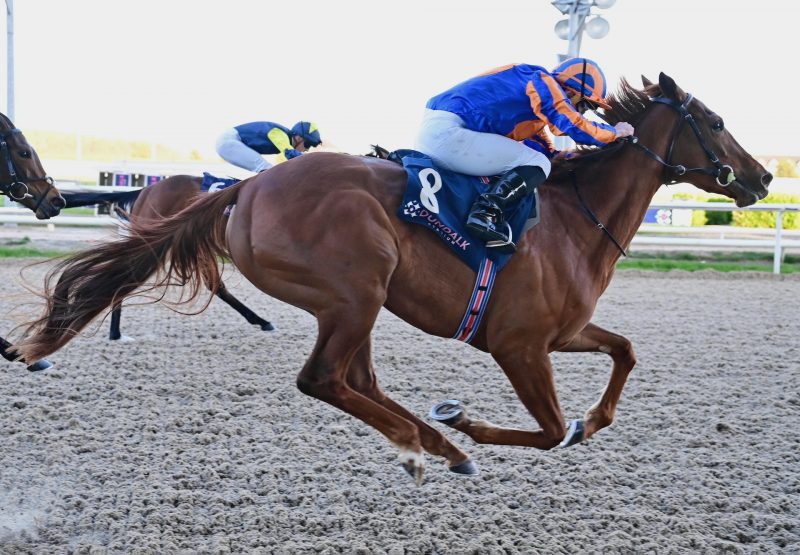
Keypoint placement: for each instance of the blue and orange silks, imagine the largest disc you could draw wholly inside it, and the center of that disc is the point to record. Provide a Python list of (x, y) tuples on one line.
[(519, 101)]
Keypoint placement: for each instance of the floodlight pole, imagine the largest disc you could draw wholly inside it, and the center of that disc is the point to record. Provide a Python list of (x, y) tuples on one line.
[(577, 10), (10, 59)]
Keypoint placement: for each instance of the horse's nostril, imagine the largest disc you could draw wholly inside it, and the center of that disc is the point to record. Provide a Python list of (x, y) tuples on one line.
[(766, 179), (58, 202)]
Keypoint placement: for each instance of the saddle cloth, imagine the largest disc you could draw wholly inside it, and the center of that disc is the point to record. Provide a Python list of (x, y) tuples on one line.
[(440, 200), (212, 183)]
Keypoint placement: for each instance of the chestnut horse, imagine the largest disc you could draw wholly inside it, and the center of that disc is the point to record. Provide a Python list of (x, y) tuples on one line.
[(320, 232), (158, 201), (23, 180)]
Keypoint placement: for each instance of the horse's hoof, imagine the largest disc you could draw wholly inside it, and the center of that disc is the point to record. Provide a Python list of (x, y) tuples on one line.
[(447, 412), (414, 465), (40, 365), (266, 326), (123, 339), (467, 467), (574, 434)]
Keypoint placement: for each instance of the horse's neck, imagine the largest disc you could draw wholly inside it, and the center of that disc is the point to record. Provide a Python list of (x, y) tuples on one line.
[(619, 191)]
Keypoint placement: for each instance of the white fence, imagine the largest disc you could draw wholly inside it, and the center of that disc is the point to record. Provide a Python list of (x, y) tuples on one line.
[(779, 239), (665, 235)]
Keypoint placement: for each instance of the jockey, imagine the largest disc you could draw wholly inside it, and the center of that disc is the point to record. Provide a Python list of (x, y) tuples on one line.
[(244, 144), (495, 124)]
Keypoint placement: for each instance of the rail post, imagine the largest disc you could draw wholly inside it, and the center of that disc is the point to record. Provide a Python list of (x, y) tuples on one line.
[(778, 256)]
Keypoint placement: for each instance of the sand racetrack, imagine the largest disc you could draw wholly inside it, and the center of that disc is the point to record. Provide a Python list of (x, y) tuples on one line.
[(194, 438)]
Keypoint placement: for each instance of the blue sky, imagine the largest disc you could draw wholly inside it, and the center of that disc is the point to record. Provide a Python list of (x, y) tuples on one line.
[(180, 71)]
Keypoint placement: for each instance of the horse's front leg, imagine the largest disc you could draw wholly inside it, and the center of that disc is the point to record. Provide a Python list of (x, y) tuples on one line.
[(595, 339), (530, 372)]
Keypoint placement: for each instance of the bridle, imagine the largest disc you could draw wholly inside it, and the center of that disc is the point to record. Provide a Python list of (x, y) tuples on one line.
[(676, 169), (679, 170), (17, 189)]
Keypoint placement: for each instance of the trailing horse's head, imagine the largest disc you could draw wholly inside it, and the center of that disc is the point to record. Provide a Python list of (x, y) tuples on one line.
[(702, 151), (22, 177)]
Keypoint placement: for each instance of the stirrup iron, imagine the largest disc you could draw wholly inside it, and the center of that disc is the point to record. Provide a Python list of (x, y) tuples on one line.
[(503, 246)]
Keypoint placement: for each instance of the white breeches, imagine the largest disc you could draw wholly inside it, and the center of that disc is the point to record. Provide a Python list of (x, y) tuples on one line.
[(231, 148), (444, 138)]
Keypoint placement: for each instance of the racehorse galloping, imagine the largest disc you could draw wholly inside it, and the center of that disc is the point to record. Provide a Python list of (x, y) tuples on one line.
[(23, 180), (321, 233), (158, 201)]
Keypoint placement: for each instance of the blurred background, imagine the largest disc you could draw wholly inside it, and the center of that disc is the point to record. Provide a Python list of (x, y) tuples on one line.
[(154, 81)]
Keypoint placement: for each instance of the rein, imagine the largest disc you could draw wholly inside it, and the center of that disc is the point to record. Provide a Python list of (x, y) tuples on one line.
[(678, 169), (18, 188), (591, 214)]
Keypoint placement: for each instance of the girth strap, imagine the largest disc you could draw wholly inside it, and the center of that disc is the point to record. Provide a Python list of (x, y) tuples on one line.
[(477, 303)]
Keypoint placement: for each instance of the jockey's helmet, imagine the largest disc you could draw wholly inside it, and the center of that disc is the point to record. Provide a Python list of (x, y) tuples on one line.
[(309, 132), (585, 77)]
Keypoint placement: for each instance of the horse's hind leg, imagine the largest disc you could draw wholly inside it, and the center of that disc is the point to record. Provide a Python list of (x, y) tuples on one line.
[(114, 332), (239, 306), (595, 339), (342, 331), (361, 377), (42, 364)]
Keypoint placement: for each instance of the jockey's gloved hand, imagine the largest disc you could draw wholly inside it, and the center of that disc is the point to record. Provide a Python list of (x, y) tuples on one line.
[(291, 153), (623, 129)]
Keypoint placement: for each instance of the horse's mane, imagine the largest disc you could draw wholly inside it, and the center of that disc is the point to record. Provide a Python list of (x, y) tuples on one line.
[(627, 104)]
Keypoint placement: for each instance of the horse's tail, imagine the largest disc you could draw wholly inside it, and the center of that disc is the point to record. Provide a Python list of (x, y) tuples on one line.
[(186, 246), (124, 200)]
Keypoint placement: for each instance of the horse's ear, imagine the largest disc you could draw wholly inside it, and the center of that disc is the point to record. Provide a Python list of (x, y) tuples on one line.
[(669, 88), (650, 88)]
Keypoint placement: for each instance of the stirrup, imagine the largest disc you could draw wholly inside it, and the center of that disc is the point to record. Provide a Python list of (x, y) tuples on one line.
[(503, 247)]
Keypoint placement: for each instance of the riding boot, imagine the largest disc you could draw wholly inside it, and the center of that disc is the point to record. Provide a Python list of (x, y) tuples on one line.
[(486, 219)]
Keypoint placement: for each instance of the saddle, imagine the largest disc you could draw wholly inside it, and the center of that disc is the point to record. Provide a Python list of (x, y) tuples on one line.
[(440, 200), (212, 184)]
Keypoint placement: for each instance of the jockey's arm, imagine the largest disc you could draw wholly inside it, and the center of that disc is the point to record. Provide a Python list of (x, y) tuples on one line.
[(551, 106), (281, 140)]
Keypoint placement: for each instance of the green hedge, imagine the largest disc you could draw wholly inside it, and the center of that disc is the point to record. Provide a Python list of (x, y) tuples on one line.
[(791, 220), (767, 219), (714, 217)]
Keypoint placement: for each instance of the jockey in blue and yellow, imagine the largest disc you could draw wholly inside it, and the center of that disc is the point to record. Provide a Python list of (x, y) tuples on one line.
[(496, 124), (244, 144)]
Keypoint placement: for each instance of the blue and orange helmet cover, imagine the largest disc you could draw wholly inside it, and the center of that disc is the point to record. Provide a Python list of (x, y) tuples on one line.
[(583, 76)]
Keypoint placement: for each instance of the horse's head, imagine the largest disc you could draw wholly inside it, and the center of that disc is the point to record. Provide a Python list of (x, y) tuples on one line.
[(702, 151), (22, 177)]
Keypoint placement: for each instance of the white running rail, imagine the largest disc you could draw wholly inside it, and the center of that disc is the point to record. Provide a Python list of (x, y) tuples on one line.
[(728, 236)]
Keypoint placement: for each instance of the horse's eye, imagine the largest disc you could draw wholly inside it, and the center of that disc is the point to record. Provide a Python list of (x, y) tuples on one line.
[(25, 153), (718, 125)]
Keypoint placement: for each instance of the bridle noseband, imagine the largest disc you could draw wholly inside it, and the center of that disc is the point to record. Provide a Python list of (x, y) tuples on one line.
[(17, 189), (679, 169)]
